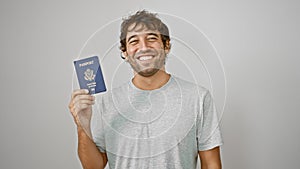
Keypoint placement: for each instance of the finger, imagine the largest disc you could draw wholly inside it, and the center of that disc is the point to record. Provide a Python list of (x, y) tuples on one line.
[(78, 98), (83, 97), (79, 92), (88, 102), (79, 102), (80, 107)]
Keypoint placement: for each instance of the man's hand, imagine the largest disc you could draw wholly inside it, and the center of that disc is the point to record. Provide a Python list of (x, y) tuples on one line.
[(81, 109)]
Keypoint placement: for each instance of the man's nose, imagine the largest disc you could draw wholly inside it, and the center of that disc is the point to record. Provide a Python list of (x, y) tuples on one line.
[(144, 45)]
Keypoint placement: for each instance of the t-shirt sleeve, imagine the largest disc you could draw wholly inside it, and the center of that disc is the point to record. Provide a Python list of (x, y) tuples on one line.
[(208, 129), (97, 125)]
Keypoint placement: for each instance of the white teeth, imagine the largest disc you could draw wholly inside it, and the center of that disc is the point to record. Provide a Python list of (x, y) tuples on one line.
[(145, 57)]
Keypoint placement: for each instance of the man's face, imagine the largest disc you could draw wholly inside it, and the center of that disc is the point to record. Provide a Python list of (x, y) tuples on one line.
[(145, 51)]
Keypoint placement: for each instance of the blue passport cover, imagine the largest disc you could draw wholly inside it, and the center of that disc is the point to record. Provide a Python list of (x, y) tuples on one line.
[(89, 75)]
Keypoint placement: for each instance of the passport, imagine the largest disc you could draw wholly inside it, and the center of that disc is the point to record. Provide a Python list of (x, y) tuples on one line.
[(89, 74)]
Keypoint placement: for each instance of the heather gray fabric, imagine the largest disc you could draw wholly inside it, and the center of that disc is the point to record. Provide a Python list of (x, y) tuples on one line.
[(163, 128)]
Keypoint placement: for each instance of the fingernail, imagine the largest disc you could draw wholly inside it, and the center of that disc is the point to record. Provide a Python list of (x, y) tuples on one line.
[(86, 90)]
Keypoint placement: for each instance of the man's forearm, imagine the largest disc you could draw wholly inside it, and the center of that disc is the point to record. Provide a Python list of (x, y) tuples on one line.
[(212, 166), (210, 159), (89, 155)]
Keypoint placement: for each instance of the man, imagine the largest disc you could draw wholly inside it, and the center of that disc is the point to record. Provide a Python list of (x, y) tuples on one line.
[(156, 120)]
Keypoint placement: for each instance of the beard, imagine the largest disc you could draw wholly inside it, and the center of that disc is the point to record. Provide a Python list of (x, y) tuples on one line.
[(150, 68), (148, 72)]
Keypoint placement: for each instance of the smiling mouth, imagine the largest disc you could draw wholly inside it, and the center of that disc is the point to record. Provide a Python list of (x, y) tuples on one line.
[(143, 58)]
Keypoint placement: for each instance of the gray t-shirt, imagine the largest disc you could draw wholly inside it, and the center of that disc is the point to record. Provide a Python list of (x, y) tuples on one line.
[(162, 128)]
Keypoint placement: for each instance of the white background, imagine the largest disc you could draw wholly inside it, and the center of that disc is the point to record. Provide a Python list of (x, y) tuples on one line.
[(258, 43)]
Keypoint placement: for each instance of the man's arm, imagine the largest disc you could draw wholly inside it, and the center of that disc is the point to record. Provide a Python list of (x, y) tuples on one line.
[(89, 154), (210, 159), (81, 108)]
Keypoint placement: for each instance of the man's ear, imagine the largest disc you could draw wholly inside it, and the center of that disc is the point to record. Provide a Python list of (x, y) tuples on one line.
[(124, 56), (167, 46)]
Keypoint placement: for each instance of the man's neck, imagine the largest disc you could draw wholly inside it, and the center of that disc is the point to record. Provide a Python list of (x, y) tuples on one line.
[(155, 81)]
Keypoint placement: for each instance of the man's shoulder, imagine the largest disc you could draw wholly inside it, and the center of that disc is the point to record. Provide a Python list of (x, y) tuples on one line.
[(190, 87)]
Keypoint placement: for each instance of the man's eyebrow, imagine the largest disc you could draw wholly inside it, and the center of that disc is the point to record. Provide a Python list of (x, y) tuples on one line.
[(151, 33), (154, 34), (133, 36)]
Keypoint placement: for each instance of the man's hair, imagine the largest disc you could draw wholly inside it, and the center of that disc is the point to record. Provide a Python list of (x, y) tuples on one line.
[(148, 21)]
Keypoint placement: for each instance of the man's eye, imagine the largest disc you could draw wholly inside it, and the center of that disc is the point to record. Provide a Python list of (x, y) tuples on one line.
[(152, 38), (133, 42)]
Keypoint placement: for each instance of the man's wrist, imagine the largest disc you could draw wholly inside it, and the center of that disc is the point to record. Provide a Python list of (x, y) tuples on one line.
[(82, 131)]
